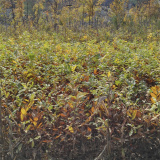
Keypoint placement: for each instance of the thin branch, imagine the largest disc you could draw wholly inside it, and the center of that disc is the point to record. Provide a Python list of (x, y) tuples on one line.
[(1, 127), (100, 155)]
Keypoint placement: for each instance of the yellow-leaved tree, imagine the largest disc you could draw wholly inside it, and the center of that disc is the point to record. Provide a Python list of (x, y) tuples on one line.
[(117, 12)]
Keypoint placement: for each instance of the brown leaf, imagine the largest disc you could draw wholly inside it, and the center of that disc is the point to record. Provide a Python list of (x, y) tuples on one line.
[(62, 115), (95, 72), (89, 129), (92, 109), (57, 136), (46, 141)]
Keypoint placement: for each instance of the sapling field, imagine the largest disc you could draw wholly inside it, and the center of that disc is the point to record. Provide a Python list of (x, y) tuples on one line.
[(55, 92), (81, 93)]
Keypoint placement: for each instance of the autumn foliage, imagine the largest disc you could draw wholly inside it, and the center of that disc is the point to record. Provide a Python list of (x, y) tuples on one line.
[(80, 95)]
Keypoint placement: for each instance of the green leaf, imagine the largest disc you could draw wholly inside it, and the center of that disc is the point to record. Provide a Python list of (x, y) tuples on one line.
[(117, 82), (81, 94), (32, 143), (38, 137), (131, 132)]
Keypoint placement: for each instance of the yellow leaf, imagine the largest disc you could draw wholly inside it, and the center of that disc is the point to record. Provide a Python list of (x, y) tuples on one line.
[(71, 105), (35, 118), (85, 37), (153, 100), (31, 101), (154, 90), (35, 123), (22, 117), (14, 61), (89, 137), (23, 111), (23, 114), (73, 68), (134, 114), (128, 113), (109, 74), (71, 129), (113, 86), (95, 72), (87, 114), (25, 72), (153, 95), (26, 100), (27, 128)]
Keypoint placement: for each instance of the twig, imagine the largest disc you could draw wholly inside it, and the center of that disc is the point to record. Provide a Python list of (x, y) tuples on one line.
[(100, 155), (100, 100), (10, 136), (122, 138), (17, 144), (1, 132), (107, 146)]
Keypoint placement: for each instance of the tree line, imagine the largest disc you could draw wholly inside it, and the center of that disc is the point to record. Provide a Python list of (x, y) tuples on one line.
[(78, 14)]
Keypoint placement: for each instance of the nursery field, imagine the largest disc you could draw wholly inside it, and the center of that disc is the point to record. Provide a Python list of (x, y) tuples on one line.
[(83, 99)]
